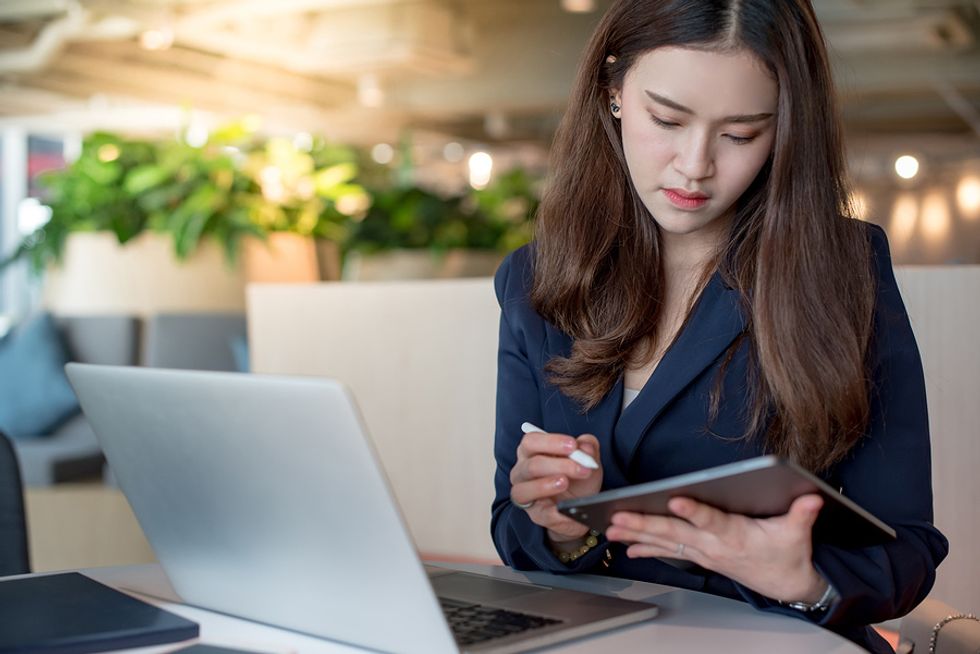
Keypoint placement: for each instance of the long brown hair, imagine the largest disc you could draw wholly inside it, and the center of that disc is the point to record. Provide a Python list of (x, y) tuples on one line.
[(802, 268)]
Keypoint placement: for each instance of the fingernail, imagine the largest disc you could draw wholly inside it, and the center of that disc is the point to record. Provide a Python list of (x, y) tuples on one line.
[(568, 445), (559, 482)]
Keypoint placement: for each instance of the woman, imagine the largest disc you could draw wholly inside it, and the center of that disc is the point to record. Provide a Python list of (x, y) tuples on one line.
[(697, 294)]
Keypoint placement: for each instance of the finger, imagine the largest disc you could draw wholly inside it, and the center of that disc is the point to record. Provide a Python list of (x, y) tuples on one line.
[(544, 466), (588, 444), (667, 529), (641, 550), (624, 535), (803, 512), (541, 443), (545, 513), (537, 489), (699, 514)]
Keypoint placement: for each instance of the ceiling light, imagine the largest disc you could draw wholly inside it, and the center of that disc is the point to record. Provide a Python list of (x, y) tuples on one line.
[(968, 196), (905, 215), (158, 38), (935, 216), (481, 169), (907, 166), (578, 6)]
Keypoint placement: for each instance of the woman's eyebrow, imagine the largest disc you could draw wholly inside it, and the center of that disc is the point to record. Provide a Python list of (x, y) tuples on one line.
[(741, 118)]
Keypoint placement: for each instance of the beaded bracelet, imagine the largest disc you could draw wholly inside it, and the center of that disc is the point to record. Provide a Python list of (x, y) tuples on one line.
[(942, 623), (591, 540)]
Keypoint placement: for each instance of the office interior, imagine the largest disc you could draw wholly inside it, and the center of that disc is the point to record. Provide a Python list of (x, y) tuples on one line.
[(354, 171)]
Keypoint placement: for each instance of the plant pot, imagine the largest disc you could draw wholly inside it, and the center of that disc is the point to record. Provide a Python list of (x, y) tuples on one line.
[(328, 260), (142, 277), (420, 264), (280, 258)]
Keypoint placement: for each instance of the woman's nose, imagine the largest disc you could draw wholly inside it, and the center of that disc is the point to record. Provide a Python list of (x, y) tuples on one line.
[(694, 159)]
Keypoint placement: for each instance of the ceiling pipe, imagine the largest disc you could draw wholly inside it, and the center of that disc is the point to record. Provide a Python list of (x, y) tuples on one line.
[(219, 14), (47, 44), (12, 11), (74, 24), (963, 107)]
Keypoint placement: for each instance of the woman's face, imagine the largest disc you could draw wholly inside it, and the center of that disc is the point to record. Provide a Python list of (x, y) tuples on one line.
[(697, 127)]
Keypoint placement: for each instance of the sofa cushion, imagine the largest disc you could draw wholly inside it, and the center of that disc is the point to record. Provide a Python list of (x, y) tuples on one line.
[(111, 340), (72, 452), (195, 341), (35, 396)]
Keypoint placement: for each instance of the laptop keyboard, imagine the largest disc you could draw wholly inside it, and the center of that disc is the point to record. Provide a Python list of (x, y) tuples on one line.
[(474, 623)]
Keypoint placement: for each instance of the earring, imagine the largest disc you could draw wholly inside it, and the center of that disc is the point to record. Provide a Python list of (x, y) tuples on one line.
[(615, 107)]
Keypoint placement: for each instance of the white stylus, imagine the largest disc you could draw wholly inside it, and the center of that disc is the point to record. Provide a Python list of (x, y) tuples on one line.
[(578, 456)]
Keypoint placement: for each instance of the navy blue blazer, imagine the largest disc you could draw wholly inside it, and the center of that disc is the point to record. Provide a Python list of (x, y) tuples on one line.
[(663, 433)]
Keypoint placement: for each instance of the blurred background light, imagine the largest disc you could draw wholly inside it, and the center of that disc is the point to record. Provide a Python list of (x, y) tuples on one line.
[(578, 6), (159, 38), (383, 153), (907, 166), (905, 215), (968, 196), (936, 219), (481, 169), (369, 91), (453, 152)]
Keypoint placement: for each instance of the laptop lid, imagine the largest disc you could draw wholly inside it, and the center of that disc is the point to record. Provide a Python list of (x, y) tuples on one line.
[(252, 511)]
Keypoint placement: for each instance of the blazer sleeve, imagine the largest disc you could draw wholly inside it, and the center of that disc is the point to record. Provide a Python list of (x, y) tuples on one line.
[(889, 474), (521, 543)]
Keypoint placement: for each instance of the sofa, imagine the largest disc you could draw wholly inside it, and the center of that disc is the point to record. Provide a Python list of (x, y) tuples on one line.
[(204, 341)]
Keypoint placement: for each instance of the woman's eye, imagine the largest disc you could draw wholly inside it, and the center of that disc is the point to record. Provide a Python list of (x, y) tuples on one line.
[(663, 123), (739, 140)]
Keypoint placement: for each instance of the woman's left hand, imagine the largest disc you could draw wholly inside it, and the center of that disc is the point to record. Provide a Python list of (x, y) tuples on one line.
[(772, 556)]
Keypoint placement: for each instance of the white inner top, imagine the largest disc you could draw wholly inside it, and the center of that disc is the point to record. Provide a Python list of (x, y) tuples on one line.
[(629, 394)]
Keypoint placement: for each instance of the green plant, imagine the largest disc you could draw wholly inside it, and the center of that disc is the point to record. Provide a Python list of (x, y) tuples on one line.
[(498, 217), (509, 204), (234, 186)]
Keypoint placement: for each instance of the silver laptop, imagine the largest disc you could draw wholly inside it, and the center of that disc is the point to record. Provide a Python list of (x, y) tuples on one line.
[(263, 498)]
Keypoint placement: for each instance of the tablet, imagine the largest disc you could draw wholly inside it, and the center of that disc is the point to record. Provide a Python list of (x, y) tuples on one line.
[(761, 487)]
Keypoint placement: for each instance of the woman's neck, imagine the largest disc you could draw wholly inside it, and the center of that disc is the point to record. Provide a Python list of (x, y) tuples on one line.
[(684, 255)]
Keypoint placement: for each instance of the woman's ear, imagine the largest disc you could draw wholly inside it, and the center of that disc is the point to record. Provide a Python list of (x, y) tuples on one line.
[(615, 103)]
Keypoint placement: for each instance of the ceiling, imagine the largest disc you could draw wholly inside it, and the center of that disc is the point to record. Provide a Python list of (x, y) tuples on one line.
[(483, 70)]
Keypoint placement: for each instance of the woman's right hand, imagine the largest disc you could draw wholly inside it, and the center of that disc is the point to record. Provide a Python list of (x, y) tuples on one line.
[(544, 474)]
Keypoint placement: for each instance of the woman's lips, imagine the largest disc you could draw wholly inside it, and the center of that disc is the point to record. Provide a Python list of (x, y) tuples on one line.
[(679, 199)]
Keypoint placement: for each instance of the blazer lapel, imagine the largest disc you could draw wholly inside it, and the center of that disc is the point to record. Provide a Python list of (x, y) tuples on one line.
[(715, 323), (599, 421)]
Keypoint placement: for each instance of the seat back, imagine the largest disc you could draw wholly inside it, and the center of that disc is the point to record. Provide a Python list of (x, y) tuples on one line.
[(193, 341), (14, 558)]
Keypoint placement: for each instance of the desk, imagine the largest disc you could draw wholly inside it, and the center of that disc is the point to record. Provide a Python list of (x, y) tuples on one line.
[(689, 621)]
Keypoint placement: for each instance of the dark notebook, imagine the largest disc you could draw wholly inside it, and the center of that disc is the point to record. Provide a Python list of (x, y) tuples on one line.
[(72, 614)]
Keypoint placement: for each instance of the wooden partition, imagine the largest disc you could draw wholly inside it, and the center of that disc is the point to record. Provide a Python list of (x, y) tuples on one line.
[(944, 306), (421, 359)]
